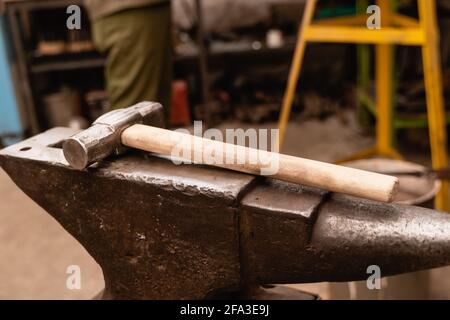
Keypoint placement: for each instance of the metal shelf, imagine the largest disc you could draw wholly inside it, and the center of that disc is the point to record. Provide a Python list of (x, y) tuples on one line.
[(67, 65), (65, 62)]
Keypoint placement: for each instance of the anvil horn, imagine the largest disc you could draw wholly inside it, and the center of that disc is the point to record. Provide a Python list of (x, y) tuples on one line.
[(295, 234)]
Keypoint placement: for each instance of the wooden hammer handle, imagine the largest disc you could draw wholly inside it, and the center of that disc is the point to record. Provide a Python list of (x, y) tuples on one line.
[(292, 169)]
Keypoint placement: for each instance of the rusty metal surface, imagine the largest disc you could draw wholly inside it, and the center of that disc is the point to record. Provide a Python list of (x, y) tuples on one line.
[(161, 231), (397, 238), (157, 230), (301, 235), (276, 223)]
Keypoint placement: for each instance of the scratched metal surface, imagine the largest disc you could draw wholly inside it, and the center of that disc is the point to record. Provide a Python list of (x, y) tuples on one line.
[(157, 230)]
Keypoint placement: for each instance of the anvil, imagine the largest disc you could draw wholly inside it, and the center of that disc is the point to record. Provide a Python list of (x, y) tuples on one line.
[(162, 231)]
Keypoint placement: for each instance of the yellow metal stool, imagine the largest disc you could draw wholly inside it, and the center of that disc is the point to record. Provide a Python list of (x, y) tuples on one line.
[(395, 29)]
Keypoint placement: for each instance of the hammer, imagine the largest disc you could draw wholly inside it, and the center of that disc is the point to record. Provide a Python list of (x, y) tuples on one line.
[(140, 127)]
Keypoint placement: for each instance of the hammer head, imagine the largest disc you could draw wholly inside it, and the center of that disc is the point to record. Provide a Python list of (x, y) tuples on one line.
[(103, 138)]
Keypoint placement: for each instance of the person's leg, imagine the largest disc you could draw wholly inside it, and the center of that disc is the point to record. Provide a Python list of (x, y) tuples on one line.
[(138, 47)]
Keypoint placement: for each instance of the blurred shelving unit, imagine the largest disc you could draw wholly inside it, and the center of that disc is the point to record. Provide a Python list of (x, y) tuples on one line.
[(34, 28), (38, 25)]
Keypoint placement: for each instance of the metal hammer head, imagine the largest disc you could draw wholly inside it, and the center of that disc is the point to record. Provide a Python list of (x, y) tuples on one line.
[(103, 138)]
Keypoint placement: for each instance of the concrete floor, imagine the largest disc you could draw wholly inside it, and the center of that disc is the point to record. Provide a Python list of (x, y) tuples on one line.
[(35, 251)]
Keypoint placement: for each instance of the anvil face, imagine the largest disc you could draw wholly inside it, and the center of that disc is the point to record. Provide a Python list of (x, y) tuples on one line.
[(161, 231)]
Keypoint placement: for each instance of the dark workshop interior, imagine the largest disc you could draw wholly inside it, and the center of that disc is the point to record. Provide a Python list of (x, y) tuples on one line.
[(362, 87)]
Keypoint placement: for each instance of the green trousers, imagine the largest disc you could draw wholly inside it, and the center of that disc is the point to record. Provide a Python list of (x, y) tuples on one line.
[(137, 43)]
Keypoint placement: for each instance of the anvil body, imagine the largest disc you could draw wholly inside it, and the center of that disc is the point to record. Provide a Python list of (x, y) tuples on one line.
[(162, 231)]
